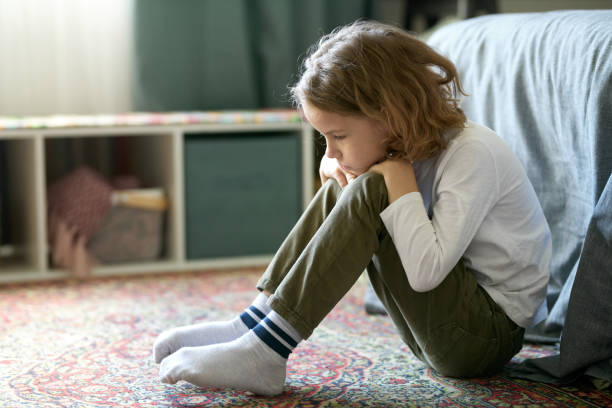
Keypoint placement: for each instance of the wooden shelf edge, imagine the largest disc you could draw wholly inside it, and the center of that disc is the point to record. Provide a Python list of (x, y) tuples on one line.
[(25, 274)]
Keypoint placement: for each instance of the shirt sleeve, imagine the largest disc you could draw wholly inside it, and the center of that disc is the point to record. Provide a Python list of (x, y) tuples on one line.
[(467, 188)]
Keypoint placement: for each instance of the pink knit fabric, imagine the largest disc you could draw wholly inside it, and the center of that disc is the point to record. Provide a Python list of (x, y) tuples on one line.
[(77, 205), (81, 199)]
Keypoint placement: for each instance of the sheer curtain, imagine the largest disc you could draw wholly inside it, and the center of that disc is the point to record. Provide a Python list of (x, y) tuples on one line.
[(65, 56)]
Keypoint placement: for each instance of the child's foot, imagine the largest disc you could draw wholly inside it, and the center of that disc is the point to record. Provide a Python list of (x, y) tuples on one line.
[(203, 334), (244, 364), (255, 362)]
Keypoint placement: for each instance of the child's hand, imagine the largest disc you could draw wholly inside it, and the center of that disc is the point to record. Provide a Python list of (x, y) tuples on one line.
[(399, 177), (329, 168)]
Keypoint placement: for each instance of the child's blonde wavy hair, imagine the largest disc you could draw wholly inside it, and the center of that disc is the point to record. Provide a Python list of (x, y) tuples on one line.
[(386, 74)]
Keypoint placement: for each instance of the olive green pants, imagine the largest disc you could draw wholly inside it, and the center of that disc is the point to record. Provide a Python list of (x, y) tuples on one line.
[(455, 328)]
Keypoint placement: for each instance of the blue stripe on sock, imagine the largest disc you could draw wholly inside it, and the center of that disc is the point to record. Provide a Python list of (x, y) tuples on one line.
[(248, 320), (274, 344), (258, 312), (280, 332)]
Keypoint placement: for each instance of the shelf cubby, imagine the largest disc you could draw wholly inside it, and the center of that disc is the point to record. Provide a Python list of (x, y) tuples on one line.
[(214, 168)]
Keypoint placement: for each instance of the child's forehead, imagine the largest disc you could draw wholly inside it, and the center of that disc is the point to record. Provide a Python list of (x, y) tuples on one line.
[(325, 121)]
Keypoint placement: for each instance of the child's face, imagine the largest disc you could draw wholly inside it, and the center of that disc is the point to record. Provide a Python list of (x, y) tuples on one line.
[(356, 142)]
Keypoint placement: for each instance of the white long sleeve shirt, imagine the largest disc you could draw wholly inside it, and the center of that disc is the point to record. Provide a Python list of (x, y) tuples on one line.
[(475, 202)]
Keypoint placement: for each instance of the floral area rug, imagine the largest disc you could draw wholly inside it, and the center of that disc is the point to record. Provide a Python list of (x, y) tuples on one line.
[(88, 344)]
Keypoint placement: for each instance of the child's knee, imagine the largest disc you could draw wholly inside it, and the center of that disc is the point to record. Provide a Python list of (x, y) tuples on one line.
[(330, 187), (371, 177), (368, 182), (369, 187)]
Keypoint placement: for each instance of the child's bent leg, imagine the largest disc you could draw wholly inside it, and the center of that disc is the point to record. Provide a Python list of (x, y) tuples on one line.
[(455, 328), (332, 248), (219, 332), (315, 278)]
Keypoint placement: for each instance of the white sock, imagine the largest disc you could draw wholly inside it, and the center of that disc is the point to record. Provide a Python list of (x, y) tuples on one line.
[(203, 334), (255, 362)]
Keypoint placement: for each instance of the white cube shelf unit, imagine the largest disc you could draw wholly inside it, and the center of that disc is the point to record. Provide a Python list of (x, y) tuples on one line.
[(158, 142)]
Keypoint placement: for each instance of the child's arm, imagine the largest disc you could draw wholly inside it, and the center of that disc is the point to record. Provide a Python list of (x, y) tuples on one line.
[(399, 177), (464, 196)]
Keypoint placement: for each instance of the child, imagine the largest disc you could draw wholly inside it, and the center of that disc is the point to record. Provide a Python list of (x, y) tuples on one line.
[(438, 209)]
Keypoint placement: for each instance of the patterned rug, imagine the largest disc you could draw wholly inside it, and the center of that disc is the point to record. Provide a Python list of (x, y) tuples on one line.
[(89, 344)]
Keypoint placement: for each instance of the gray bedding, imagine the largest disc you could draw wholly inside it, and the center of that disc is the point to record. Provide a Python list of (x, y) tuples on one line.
[(543, 81)]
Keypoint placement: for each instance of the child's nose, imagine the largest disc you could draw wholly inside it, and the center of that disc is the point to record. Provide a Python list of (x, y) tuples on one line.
[(332, 152)]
